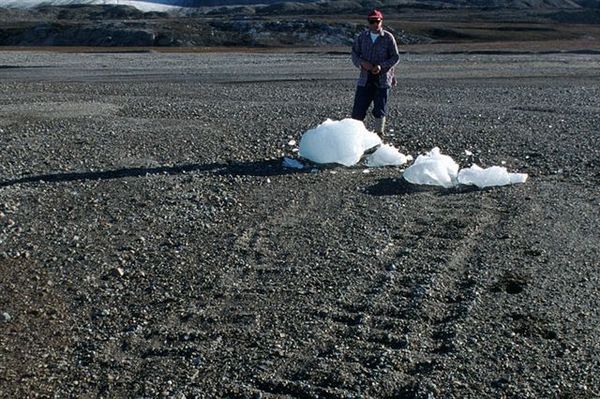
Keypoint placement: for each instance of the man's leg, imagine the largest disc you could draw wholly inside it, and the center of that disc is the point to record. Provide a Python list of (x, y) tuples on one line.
[(362, 100), (380, 109)]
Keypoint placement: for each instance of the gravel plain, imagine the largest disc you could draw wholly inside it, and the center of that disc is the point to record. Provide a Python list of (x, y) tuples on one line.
[(152, 245)]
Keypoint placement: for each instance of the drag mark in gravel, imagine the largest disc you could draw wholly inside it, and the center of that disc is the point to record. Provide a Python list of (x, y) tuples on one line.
[(414, 311), (277, 271), (389, 326), (446, 297)]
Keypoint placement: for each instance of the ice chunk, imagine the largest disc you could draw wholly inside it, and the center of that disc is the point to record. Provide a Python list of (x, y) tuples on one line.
[(489, 177), (292, 163), (433, 169), (386, 155), (343, 142), (517, 178)]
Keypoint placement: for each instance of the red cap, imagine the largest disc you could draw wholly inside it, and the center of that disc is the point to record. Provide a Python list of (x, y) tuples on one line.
[(375, 14)]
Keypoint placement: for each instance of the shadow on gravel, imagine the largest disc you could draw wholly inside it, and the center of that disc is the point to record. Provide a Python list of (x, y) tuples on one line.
[(232, 168), (21, 66), (395, 186)]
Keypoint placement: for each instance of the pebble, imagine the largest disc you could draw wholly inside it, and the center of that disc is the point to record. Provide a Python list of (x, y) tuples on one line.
[(119, 272)]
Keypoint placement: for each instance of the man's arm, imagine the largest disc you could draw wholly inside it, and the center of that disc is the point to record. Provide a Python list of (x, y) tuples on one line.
[(356, 55), (393, 55)]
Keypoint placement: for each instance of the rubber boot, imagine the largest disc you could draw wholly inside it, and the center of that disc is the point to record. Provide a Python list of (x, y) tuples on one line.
[(380, 126)]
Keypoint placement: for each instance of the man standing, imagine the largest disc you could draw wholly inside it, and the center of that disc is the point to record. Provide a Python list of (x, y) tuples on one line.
[(375, 52)]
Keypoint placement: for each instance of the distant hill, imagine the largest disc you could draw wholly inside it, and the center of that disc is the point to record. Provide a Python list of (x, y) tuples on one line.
[(147, 5), (507, 4), (193, 23)]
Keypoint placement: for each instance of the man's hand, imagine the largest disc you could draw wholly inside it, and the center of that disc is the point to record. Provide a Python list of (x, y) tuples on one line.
[(376, 69), (366, 65)]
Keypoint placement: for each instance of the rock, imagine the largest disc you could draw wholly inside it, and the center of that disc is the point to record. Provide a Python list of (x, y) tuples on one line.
[(118, 272)]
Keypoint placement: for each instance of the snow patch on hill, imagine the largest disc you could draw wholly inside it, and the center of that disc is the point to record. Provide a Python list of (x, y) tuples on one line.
[(144, 6)]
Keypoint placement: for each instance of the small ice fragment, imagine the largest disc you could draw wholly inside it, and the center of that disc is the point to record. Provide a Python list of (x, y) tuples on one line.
[(516, 178), (433, 169), (386, 155), (367, 171), (292, 163), (268, 180), (468, 153), (392, 130), (292, 143), (489, 177), (475, 175)]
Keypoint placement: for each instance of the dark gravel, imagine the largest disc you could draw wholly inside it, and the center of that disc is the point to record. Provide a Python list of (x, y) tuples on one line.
[(152, 245)]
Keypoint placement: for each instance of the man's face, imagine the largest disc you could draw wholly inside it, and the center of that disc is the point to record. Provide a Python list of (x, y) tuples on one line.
[(374, 24)]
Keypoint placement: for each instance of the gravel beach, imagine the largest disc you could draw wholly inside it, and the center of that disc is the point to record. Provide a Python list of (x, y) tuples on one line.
[(152, 244)]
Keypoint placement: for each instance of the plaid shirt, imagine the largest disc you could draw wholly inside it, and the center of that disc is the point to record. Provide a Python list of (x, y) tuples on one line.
[(383, 52)]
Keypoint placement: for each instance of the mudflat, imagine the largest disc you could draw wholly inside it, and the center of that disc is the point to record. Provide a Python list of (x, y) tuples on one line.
[(152, 244)]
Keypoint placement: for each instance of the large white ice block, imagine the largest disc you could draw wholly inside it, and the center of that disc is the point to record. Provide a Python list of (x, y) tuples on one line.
[(343, 142), (433, 169)]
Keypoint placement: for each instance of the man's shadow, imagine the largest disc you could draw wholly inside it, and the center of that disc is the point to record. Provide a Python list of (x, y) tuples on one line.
[(233, 168)]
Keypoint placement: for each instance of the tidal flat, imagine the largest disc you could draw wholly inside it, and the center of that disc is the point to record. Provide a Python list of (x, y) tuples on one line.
[(152, 244)]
